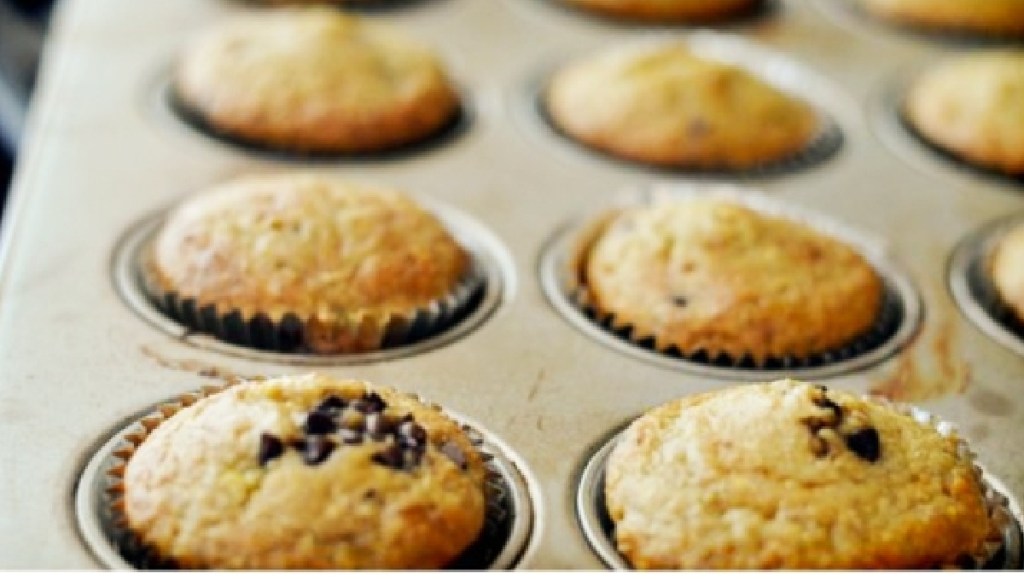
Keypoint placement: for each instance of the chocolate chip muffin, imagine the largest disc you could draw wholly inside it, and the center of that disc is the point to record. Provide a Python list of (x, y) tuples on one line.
[(314, 80), (306, 472), (973, 107), (346, 266), (661, 104), (1007, 271), (689, 11), (991, 17), (792, 475), (710, 275)]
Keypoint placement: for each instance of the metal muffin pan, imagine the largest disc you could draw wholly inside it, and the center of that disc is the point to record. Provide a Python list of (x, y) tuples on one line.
[(76, 361)]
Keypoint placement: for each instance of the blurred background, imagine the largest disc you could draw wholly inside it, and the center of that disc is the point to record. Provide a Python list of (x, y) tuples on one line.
[(23, 25)]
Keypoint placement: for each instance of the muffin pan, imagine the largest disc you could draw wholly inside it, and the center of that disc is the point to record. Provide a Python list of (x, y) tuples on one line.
[(82, 350)]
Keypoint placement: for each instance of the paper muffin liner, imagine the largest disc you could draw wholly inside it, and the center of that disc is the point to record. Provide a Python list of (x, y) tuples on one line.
[(456, 125), (1001, 549), (885, 326), (352, 332), (822, 146), (481, 554)]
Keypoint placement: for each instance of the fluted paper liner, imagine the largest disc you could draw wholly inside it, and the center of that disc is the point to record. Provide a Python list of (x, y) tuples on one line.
[(480, 554), (992, 554), (886, 323), (352, 332)]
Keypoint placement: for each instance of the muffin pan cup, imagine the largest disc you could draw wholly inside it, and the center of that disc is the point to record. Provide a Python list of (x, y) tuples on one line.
[(971, 284), (100, 498), (776, 70), (894, 325), (1002, 551)]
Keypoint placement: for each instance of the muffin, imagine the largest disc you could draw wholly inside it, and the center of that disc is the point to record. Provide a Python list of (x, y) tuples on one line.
[(712, 275), (691, 11), (973, 107), (348, 266), (792, 475), (314, 80), (990, 17), (661, 104), (306, 472), (1007, 271)]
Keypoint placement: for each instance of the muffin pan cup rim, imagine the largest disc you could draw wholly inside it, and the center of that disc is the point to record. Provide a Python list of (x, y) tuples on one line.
[(967, 274), (96, 490), (594, 522), (561, 284)]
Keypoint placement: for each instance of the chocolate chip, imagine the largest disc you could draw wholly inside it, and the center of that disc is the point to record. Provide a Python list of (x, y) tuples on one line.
[(318, 449), (350, 436), (320, 423), (865, 443), (680, 301), (412, 433), (370, 402), (825, 402), (390, 457), (271, 447), (331, 405), (819, 447), (454, 452), (378, 426)]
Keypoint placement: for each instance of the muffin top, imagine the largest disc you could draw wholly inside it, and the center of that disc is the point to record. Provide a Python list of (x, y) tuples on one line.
[(306, 472), (791, 475), (315, 79), (1007, 270), (973, 106), (307, 244), (660, 103), (991, 17), (669, 10), (713, 275)]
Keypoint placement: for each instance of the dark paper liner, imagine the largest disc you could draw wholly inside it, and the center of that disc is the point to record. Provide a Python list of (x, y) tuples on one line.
[(759, 11), (457, 125), (887, 322), (823, 146), (1001, 551), (481, 554), (356, 333), (948, 156)]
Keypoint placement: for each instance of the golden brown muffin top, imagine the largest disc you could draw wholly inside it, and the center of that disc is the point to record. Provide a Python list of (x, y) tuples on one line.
[(316, 246), (293, 472), (661, 103), (973, 105), (710, 274), (791, 475), (313, 78), (988, 17)]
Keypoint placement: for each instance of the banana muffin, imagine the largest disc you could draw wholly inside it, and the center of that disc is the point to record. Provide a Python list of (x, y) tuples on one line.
[(350, 263), (973, 107), (307, 472), (314, 79), (1007, 271), (987, 17), (686, 11), (712, 275), (659, 103), (792, 475)]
